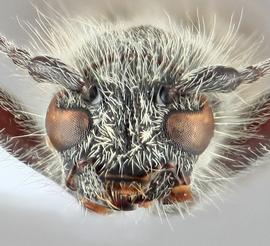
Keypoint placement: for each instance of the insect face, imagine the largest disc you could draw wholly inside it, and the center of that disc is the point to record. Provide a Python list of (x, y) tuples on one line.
[(128, 138), (136, 111)]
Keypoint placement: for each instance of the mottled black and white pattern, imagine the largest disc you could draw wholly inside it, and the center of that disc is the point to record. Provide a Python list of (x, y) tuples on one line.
[(129, 64)]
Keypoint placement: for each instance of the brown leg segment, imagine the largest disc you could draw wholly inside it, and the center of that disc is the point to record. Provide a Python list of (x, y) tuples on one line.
[(14, 130), (18, 135), (95, 207), (180, 193), (250, 149)]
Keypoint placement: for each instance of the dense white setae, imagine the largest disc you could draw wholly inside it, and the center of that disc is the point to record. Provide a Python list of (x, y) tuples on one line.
[(129, 77)]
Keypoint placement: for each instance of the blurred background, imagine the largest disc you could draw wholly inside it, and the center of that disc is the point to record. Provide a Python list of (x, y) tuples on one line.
[(35, 211)]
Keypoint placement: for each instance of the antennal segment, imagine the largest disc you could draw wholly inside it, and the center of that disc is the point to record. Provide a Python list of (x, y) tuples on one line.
[(43, 69)]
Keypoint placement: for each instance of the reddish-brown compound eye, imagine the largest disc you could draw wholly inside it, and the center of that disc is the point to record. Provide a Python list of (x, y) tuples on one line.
[(65, 127), (191, 131)]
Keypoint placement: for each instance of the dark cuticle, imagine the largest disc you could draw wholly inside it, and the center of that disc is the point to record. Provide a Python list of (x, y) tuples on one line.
[(93, 92), (70, 179), (163, 95), (91, 95)]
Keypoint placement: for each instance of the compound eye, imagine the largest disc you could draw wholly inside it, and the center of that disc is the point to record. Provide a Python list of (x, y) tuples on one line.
[(66, 127), (191, 131)]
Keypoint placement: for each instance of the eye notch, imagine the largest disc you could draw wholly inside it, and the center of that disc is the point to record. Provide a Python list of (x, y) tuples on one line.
[(163, 96), (92, 95)]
